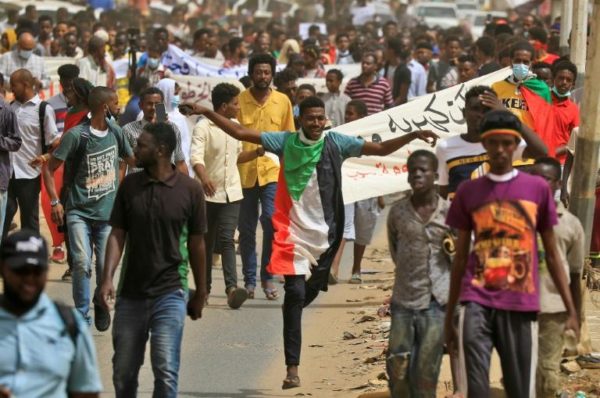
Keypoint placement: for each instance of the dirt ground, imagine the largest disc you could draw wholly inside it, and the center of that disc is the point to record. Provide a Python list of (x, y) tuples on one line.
[(345, 340)]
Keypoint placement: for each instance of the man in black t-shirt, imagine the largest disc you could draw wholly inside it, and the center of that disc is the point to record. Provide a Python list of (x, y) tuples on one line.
[(396, 71), (161, 214)]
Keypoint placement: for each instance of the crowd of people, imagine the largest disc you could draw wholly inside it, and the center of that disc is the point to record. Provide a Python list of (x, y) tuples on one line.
[(485, 251)]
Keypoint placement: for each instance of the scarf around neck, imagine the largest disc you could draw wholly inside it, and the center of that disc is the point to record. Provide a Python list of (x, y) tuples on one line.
[(301, 156)]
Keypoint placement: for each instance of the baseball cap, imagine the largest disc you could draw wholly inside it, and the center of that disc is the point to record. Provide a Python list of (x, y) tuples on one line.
[(500, 122), (24, 248)]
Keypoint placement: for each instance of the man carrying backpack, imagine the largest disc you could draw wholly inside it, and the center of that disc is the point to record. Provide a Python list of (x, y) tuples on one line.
[(37, 128), (47, 349)]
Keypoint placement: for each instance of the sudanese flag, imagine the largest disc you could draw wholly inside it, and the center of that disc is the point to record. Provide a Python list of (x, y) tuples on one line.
[(539, 102)]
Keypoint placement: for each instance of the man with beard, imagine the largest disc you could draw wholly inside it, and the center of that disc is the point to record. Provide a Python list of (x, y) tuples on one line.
[(160, 212), (47, 350), (261, 109), (92, 150)]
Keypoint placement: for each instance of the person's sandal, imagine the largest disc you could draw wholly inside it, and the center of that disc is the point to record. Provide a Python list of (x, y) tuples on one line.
[(332, 279), (271, 293), (236, 297), (290, 382), (355, 280)]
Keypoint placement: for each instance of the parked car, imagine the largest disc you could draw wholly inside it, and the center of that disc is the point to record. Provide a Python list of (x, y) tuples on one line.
[(444, 15)]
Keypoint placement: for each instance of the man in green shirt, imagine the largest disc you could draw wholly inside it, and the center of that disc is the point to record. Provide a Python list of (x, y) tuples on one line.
[(91, 152)]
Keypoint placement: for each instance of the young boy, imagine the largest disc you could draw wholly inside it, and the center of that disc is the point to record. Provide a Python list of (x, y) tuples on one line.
[(335, 101), (566, 112), (497, 282), (416, 231), (570, 239), (309, 211)]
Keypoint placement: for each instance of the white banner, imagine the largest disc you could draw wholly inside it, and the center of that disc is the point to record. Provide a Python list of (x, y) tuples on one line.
[(440, 112)]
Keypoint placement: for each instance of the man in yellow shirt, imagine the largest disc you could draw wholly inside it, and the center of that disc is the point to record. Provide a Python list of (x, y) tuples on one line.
[(262, 109)]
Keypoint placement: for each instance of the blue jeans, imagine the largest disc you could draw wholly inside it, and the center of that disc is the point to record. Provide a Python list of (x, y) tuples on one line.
[(86, 237), (247, 226), (415, 351), (162, 319), (3, 202)]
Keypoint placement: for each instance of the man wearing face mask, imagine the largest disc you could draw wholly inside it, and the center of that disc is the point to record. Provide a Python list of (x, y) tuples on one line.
[(22, 57), (521, 93), (154, 70), (92, 149)]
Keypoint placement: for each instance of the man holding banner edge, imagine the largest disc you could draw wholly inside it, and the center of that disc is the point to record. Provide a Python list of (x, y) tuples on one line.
[(308, 217)]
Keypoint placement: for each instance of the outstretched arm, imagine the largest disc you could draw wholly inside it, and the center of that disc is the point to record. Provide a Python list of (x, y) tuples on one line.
[(386, 147), (235, 130)]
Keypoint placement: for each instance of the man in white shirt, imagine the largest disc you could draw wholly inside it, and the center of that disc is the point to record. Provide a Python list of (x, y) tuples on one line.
[(24, 186), (22, 57), (214, 156)]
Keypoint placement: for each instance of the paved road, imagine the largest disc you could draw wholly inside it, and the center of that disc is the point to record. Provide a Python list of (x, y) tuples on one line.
[(228, 353)]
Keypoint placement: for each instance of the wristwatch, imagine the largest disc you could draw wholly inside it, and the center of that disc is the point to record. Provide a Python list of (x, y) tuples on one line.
[(54, 202)]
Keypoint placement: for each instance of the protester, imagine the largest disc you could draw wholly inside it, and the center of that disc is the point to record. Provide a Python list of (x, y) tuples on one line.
[(419, 77), (172, 97), (463, 157), (497, 281), (33, 327), (160, 213), (286, 83), (22, 57), (92, 150), (313, 68), (335, 101), (10, 142), (312, 159), (153, 70), (66, 73), (290, 46), (466, 68), (570, 240), (543, 71), (538, 37), (215, 158), (262, 109), (416, 232), (485, 54), (444, 74), (369, 87), (396, 71), (38, 132), (149, 99), (70, 47), (566, 112), (132, 109), (237, 53), (94, 68)]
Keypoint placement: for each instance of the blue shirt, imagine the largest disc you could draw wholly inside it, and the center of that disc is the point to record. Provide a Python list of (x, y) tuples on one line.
[(38, 357), (349, 146), (418, 77)]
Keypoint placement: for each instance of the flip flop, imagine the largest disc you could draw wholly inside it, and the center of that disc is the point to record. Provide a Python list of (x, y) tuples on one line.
[(332, 279), (355, 280), (290, 382), (271, 293)]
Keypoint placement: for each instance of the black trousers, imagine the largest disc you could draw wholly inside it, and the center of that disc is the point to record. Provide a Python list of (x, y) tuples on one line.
[(23, 194), (298, 294), (222, 219)]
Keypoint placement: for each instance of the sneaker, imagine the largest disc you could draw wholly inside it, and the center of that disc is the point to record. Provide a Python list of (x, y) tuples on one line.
[(236, 297), (67, 276), (58, 255), (101, 317)]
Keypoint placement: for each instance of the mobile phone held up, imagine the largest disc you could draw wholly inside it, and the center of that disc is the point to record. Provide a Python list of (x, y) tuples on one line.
[(161, 112)]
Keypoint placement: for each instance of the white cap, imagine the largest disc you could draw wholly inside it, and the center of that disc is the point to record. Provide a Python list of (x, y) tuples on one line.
[(101, 33)]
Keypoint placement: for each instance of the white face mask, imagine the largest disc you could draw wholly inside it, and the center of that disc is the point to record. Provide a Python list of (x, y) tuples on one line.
[(25, 54)]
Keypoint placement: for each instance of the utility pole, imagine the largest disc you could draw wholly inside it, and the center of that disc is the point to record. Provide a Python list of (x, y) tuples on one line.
[(579, 35), (555, 9), (588, 141), (583, 189), (566, 23)]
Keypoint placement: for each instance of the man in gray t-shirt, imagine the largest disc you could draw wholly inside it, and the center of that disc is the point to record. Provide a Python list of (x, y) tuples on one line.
[(92, 153)]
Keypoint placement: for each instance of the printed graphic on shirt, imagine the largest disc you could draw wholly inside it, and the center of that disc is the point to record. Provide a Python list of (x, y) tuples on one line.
[(505, 244), (101, 173)]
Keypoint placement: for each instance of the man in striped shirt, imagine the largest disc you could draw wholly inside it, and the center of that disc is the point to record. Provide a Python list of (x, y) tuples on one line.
[(373, 90)]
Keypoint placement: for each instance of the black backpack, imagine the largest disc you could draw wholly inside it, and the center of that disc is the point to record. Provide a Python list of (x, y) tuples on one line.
[(68, 318)]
